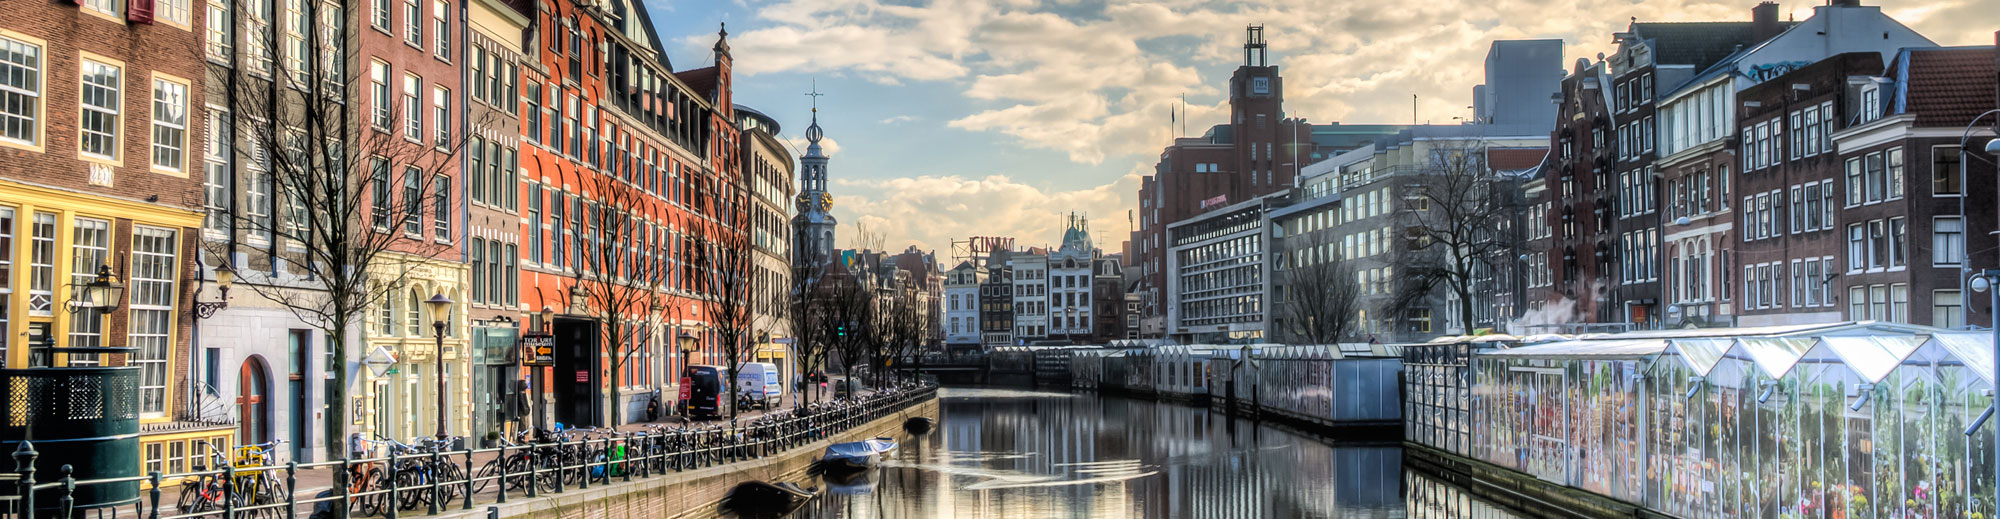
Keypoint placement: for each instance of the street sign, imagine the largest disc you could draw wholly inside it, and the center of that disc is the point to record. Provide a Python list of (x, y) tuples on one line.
[(380, 360), (538, 349)]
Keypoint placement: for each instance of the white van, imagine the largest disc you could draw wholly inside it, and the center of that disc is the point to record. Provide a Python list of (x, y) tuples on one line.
[(761, 381)]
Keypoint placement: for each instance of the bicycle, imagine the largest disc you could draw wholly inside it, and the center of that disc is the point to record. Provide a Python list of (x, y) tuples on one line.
[(257, 485), (414, 475), (514, 464), (203, 493)]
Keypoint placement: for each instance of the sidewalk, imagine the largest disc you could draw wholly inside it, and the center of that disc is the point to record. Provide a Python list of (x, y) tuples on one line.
[(310, 481)]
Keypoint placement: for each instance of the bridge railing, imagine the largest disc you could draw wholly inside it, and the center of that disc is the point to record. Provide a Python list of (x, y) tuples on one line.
[(415, 480)]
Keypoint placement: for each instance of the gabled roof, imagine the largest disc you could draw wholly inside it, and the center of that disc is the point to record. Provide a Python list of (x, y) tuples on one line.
[(1944, 86), (1699, 44), (701, 80)]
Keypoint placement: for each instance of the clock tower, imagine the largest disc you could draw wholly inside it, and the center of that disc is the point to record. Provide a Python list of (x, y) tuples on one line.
[(813, 227)]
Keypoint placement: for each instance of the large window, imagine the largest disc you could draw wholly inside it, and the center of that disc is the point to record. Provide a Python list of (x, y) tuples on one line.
[(20, 92), (170, 124), (262, 186), (115, 8), (532, 123), (215, 171), (7, 220), (1857, 247), (535, 223), (475, 151), (1947, 241), (413, 109), (441, 101), (443, 24), (255, 35), (90, 247), (297, 52), (478, 254), (413, 24), (42, 265), (1947, 309), (379, 193), (441, 208), (379, 14), (152, 296), (378, 76), (413, 202), (100, 101), (1945, 179)]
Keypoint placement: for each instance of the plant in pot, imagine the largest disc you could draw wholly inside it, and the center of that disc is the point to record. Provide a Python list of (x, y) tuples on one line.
[(492, 439)]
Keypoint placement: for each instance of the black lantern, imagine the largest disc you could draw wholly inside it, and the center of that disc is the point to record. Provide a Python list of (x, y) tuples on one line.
[(102, 293)]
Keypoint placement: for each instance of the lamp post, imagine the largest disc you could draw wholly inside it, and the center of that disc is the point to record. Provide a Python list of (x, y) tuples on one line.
[(688, 345), (224, 276), (439, 305)]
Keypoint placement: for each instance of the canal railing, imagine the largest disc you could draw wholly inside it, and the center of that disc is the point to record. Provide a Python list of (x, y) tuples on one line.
[(415, 479)]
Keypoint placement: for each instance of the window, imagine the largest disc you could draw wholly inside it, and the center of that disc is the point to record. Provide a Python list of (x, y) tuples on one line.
[(441, 100), (1857, 303), (1878, 302), (152, 300), (379, 18), (1813, 129), (478, 253), (1812, 282), (41, 264), (90, 248), (1899, 303), (413, 24), (413, 317), (100, 100), (378, 76), (1895, 159), (477, 64), (1796, 139), (254, 36), (295, 49), (215, 181), (1857, 247), (385, 316), (533, 115), (1947, 309), (1878, 244), (443, 30), (535, 223), (1947, 241), (6, 275), (413, 109), (1812, 206), (1798, 211), (441, 208), (413, 202), (1854, 181), (20, 92), (1945, 179), (378, 180), (1897, 228), (1877, 179), (169, 124), (111, 7), (262, 185)]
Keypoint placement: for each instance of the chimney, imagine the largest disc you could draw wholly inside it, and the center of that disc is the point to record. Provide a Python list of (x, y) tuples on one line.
[(1764, 20)]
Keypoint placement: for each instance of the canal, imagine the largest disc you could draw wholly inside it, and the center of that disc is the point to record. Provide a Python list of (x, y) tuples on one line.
[(1005, 453)]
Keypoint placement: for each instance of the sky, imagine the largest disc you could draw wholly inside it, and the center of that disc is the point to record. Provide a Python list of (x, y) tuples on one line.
[(947, 119)]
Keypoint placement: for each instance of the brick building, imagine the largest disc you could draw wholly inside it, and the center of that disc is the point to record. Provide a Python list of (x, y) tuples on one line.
[(1915, 207), (100, 132)]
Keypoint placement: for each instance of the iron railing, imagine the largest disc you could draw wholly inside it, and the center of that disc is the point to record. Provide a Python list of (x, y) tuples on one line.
[(436, 481)]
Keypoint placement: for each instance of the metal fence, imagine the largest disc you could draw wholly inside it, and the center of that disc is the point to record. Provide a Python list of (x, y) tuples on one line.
[(438, 480)]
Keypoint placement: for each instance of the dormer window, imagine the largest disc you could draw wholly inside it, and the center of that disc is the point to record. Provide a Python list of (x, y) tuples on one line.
[(1871, 102)]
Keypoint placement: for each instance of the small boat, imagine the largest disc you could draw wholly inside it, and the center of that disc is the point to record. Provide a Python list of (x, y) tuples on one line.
[(919, 425), (856, 455), (762, 499)]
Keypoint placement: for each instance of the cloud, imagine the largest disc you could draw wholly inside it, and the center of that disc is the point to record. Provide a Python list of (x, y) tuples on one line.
[(827, 145), (1101, 85), (932, 210), (899, 119)]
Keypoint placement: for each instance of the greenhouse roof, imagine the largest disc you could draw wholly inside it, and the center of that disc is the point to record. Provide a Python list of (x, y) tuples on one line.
[(1872, 357), (1776, 354), (1974, 349), (1701, 355), (1711, 343)]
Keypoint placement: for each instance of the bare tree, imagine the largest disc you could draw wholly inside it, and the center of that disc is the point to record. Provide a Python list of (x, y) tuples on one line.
[(1320, 297), (616, 272), (728, 265), (336, 191), (808, 301), (849, 310), (1456, 211)]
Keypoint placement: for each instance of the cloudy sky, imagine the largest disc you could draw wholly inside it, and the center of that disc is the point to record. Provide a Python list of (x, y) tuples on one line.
[(957, 118)]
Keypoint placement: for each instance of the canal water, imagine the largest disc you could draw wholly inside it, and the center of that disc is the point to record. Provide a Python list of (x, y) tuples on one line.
[(1001, 453)]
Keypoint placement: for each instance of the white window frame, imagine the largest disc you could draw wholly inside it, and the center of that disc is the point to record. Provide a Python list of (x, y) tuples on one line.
[(27, 59), (170, 123), (151, 319), (110, 113)]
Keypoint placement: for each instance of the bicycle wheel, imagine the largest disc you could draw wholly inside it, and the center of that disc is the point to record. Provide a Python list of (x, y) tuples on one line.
[(451, 481), (413, 488), (489, 470), (193, 498), (368, 505)]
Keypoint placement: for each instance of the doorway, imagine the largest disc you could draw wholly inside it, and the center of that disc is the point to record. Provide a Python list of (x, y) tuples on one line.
[(576, 373), (300, 349), (253, 387)]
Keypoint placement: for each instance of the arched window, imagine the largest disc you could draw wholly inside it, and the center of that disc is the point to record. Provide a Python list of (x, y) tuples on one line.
[(385, 319), (413, 311)]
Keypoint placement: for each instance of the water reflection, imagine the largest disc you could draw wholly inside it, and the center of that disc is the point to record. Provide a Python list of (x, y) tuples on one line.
[(1010, 454)]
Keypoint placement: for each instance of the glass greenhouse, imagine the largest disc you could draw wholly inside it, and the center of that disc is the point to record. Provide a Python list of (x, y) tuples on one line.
[(1850, 420)]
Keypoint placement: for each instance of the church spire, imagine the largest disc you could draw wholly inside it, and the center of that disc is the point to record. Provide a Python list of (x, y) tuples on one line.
[(814, 226)]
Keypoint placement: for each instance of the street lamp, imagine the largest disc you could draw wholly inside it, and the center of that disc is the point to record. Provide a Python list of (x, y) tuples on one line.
[(224, 276), (440, 306), (102, 292)]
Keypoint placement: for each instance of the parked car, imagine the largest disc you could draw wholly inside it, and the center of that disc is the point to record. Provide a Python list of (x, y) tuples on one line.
[(702, 391)]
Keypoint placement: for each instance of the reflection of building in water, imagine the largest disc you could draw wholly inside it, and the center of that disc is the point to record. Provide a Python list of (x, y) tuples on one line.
[(1429, 497)]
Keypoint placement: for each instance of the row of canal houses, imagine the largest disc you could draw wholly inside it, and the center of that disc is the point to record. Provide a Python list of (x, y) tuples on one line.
[(494, 153), (1849, 419)]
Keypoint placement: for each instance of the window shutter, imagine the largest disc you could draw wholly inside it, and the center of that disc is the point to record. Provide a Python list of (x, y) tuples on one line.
[(139, 11)]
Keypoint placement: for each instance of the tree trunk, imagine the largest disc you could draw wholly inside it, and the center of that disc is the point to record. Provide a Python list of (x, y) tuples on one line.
[(336, 399), (611, 326)]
